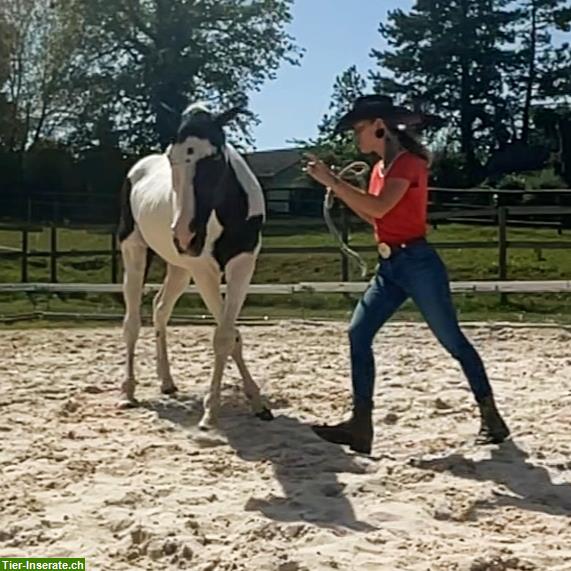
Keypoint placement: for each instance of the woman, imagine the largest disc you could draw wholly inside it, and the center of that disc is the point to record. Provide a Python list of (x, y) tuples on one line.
[(396, 205)]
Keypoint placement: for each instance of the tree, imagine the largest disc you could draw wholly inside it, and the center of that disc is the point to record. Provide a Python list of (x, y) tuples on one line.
[(347, 87), (5, 53), (544, 69), (43, 42), (5, 48), (338, 149), (147, 59), (448, 57)]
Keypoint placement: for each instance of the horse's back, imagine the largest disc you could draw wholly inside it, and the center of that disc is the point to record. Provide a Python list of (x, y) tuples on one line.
[(151, 202), (148, 167), (151, 188)]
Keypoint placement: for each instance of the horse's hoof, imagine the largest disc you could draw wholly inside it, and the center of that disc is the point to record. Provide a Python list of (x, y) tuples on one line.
[(169, 390), (127, 403), (204, 426), (265, 414), (207, 423)]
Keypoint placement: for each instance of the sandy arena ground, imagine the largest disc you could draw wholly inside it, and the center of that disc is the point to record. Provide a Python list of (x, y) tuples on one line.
[(144, 489)]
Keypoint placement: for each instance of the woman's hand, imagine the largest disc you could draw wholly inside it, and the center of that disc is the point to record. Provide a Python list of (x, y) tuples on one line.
[(319, 171)]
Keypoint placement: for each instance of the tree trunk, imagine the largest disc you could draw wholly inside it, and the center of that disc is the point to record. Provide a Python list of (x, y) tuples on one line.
[(467, 120), (531, 74), (40, 124), (466, 113), (168, 100)]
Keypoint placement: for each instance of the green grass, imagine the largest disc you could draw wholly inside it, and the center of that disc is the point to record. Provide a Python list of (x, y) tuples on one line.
[(463, 264)]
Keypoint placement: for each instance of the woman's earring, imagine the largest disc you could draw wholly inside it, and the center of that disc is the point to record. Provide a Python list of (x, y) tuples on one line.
[(380, 133)]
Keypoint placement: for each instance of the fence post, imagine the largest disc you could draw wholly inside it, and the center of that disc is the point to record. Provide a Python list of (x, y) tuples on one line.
[(503, 248), (113, 258), (53, 244), (345, 237), (25, 241), (53, 253), (24, 258)]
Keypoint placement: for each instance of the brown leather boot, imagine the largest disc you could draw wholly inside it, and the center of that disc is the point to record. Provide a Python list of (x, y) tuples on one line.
[(357, 432), (493, 429)]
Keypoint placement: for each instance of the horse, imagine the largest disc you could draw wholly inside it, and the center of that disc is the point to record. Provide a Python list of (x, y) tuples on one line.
[(201, 209)]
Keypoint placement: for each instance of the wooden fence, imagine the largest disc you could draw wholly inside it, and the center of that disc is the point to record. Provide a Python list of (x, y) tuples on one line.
[(501, 215)]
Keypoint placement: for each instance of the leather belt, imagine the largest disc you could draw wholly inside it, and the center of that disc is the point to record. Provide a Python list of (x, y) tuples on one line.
[(387, 250)]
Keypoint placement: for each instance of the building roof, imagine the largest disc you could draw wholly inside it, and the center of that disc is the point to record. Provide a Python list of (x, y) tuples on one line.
[(271, 163)]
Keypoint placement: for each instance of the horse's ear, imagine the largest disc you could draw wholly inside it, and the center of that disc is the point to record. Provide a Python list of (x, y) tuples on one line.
[(172, 116), (226, 116)]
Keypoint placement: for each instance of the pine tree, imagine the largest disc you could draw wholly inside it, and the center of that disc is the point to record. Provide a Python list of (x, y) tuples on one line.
[(544, 69), (338, 149), (449, 57), (347, 87)]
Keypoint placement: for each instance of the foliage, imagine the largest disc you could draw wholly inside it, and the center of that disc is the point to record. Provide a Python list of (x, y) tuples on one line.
[(118, 72), (543, 69), (38, 88), (148, 59), (484, 65), (338, 149), (449, 57)]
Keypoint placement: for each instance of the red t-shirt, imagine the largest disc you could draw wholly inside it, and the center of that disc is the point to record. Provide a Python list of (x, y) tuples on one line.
[(407, 219)]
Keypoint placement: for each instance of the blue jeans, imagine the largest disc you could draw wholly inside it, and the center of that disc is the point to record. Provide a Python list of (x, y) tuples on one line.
[(419, 273)]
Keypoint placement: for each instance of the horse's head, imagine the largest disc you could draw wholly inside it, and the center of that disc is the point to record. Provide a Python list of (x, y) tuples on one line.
[(198, 163)]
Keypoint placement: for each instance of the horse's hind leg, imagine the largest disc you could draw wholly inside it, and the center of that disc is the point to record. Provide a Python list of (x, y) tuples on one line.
[(174, 285), (134, 254)]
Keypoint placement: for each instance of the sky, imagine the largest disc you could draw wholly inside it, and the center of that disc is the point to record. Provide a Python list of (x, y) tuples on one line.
[(335, 35)]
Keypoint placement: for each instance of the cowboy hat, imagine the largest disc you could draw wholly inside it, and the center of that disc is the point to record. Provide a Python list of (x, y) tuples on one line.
[(382, 107)]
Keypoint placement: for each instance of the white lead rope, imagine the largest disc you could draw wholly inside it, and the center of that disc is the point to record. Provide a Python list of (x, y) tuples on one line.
[(357, 169)]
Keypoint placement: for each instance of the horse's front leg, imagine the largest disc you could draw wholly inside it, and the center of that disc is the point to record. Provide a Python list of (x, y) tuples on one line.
[(239, 271), (251, 389)]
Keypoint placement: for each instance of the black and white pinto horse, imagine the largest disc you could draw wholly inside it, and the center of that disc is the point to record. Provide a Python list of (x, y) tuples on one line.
[(200, 208)]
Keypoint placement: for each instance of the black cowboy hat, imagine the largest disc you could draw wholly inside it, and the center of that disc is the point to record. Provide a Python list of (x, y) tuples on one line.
[(382, 107)]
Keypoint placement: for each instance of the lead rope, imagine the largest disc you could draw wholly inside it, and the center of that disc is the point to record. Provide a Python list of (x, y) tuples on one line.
[(357, 169)]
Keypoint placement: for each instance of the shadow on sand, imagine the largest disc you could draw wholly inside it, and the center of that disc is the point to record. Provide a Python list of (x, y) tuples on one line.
[(305, 466), (508, 465)]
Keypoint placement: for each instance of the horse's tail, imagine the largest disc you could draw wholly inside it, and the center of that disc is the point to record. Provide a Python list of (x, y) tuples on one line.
[(126, 220)]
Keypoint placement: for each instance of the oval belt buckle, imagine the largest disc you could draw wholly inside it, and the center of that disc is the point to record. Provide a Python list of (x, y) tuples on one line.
[(384, 250)]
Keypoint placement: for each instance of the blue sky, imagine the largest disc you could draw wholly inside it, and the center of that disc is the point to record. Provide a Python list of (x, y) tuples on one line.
[(335, 35)]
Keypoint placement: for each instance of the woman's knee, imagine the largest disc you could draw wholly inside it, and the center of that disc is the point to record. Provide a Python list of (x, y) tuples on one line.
[(359, 334), (457, 345)]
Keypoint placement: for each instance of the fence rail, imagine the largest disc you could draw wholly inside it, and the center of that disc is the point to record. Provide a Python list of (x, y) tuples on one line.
[(85, 208), (501, 215), (548, 286)]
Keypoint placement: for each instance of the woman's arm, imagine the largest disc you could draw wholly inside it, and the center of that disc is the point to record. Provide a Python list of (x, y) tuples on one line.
[(361, 213), (371, 206), (366, 206), (364, 217)]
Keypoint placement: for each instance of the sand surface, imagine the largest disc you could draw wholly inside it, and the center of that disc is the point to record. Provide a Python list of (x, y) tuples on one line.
[(145, 489)]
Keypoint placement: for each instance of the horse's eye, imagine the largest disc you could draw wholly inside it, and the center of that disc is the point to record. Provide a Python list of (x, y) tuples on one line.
[(190, 151)]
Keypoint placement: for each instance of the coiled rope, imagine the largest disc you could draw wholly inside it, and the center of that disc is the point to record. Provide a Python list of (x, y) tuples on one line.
[(356, 169)]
